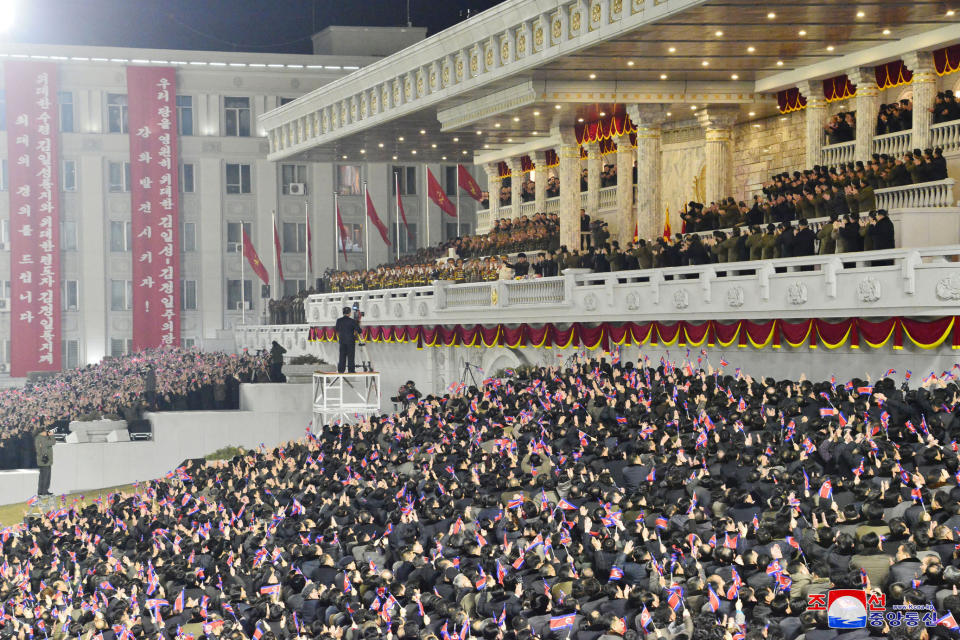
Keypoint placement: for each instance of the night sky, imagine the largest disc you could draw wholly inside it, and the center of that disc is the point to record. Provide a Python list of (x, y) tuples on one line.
[(269, 26)]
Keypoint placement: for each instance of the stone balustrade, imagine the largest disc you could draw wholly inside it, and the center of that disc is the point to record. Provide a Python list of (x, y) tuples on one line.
[(919, 196), (834, 154), (946, 135), (608, 198), (893, 144)]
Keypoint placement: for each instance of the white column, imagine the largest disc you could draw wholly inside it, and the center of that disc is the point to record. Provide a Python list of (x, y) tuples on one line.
[(516, 185), (718, 152), (594, 169), (492, 169), (626, 221), (868, 106), (540, 185), (569, 153), (92, 238), (816, 119), (924, 95), (647, 119), (212, 239)]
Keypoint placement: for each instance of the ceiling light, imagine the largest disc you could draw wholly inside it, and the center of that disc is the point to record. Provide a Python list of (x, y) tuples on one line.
[(603, 114), (413, 151), (669, 114), (779, 63), (516, 119), (886, 32), (830, 47), (630, 63), (456, 139), (672, 49), (394, 157), (771, 15), (443, 157), (663, 76), (423, 131), (593, 76), (400, 138), (861, 14), (802, 32), (464, 152), (751, 49), (433, 146), (784, 118), (479, 133), (557, 107), (344, 157), (536, 113), (719, 34), (734, 77), (756, 126), (380, 145), (752, 113), (705, 63), (509, 139), (533, 133), (496, 125), (486, 146), (693, 107), (362, 151), (579, 119), (950, 13)]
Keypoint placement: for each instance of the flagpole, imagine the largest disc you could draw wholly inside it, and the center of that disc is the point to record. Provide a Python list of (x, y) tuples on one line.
[(396, 185), (459, 234), (276, 258), (243, 292), (306, 245), (426, 202), (366, 226), (337, 238)]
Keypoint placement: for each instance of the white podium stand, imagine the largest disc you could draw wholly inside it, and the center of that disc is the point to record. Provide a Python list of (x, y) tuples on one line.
[(346, 397)]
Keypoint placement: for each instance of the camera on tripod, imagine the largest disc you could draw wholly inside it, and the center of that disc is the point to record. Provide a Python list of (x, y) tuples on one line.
[(358, 317)]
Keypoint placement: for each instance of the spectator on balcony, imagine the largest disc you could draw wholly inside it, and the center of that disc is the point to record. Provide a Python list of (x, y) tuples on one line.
[(826, 235), (505, 194), (553, 187), (609, 176), (906, 114), (484, 200), (804, 240), (882, 231), (945, 107), (848, 238), (785, 240), (768, 243), (939, 163), (599, 233), (529, 191), (584, 184)]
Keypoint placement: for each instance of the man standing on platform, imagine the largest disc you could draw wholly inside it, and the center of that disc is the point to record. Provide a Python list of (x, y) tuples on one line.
[(276, 362), (347, 330), (43, 444)]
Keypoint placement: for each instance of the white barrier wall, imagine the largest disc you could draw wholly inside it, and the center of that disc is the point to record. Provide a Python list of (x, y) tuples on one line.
[(18, 485), (277, 413)]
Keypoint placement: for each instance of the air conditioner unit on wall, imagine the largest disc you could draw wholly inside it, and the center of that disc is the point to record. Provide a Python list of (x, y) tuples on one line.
[(233, 247), (298, 189), (4, 367), (3, 304)]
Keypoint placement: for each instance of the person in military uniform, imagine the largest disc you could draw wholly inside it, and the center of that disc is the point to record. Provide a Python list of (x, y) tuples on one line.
[(43, 444)]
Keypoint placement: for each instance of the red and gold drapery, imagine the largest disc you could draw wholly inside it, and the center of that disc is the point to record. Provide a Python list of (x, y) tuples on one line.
[(790, 100), (893, 74), (604, 128), (855, 332), (947, 60), (838, 88)]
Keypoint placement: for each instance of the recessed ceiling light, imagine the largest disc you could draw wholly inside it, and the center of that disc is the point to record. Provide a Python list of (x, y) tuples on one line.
[(663, 76), (479, 133), (771, 15), (751, 49), (380, 145), (630, 63), (533, 133), (423, 131), (433, 146), (464, 152), (672, 49), (784, 118), (705, 63), (456, 139), (394, 157), (951, 13), (516, 119), (536, 113), (669, 114), (496, 125), (752, 113), (557, 107), (693, 107), (579, 119), (886, 32), (779, 63), (603, 114), (802, 32), (757, 126), (509, 139), (486, 146), (362, 151), (830, 47), (443, 157), (413, 151), (719, 34), (400, 138), (344, 157), (861, 14), (734, 77), (593, 76)]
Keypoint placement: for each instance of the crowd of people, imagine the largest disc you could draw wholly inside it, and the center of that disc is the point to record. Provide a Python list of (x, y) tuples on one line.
[(602, 500), (121, 388)]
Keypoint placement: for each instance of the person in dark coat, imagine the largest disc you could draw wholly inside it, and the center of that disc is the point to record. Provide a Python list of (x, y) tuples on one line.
[(276, 361)]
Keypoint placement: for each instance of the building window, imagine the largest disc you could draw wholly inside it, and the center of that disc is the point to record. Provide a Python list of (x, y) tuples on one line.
[(71, 295), (354, 243), (294, 174), (3, 175), (121, 347), (348, 180), (186, 177), (70, 354), (188, 295), (408, 242), (450, 180), (69, 175), (238, 178), (5, 289), (284, 101), (5, 232), (235, 237), (6, 351), (294, 237), (450, 230), (188, 237), (68, 239), (121, 295), (407, 178), (121, 236), (65, 98), (293, 287), (119, 173), (3, 110), (236, 117), (188, 343), (185, 115), (233, 294), (117, 113)]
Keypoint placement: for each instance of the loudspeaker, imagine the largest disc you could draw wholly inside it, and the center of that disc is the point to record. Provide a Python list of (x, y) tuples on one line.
[(264, 291)]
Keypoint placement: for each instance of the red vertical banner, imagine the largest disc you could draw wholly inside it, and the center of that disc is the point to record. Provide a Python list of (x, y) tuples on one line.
[(34, 174), (154, 169)]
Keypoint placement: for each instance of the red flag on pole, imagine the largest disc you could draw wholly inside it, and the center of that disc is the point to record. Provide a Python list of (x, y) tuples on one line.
[(309, 249), (468, 184), (276, 250), (343, 233), (403, 215), (251, 255), (375, 219), (439, 197)]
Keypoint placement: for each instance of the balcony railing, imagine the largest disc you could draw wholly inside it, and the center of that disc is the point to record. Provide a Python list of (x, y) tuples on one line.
[(946, 135), (608, 198), (583, 199), (893, 144), (914, 196), (553, 205), (833, 154), (484, 221), (528, 208)]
